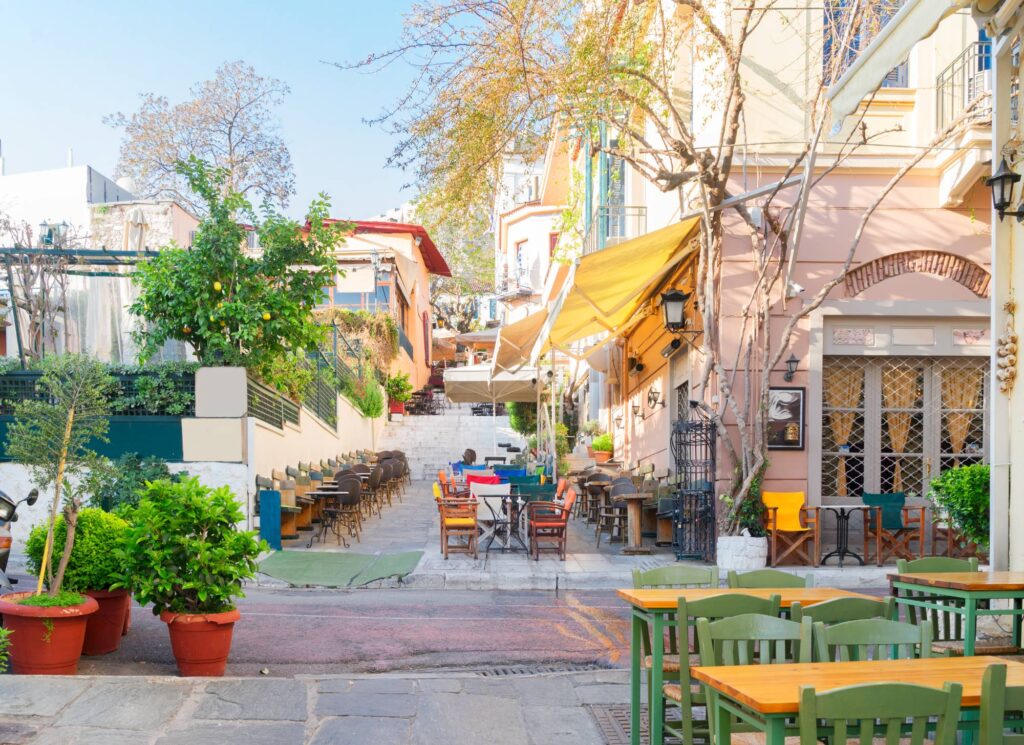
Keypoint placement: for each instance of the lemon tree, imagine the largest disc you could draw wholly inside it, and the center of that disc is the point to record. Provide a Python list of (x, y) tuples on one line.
[(239, 307)]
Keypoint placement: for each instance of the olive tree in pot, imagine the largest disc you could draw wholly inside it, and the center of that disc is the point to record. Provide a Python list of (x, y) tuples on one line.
[(51, 435), (185, 554), (747, 549), (92, 570)]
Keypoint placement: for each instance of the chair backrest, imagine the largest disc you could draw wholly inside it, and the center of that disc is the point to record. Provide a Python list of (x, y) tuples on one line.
[(883, 710), (839, 610), (871, 639), (675, 576), (262, 482), (725, 606), (375, 477), (293, 472), (303, 466), (996, 701), (524, 480), (621, 490), (928, 564), (753, 638), (767, 578), (490, 490), (438, 492), (891, 506), (351, 489), (361, 468), (786, 506)]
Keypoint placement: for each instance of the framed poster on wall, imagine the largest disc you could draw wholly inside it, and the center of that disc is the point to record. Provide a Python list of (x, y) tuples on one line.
[(786, 418)]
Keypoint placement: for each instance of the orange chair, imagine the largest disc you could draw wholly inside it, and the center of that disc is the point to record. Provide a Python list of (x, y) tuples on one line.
[(548, 524), (793, 527)]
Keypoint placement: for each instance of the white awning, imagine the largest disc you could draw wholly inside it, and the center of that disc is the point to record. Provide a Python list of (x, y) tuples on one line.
[(475, 384), (915, 21)]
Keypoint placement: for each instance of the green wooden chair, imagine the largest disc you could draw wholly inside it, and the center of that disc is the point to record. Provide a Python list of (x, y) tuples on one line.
[(749, 639), (672, 577), (996, 702), (767, 578), (679, 689), (871, 639), (893, 710), (839, 610)]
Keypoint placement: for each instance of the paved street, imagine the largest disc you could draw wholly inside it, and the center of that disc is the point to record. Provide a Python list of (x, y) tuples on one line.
[(294, 632), (340, 710)]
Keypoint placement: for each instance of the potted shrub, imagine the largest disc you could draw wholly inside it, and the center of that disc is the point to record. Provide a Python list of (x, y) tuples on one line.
[(590, 429), (399, 390), (602, 447), (185, 555), (747, 549), (92, 569), (51, 434), (962, 493)]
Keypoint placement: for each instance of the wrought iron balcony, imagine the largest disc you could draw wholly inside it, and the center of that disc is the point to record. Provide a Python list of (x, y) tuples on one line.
[(612, 225), (965, 79), (516, 283)]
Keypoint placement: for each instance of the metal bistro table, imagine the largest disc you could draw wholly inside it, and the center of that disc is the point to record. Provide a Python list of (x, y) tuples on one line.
[(967, 590), (766, 696), (654, 606), (843, 513)]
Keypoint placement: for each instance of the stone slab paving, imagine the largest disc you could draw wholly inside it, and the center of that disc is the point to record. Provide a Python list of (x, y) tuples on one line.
[(432, 709)]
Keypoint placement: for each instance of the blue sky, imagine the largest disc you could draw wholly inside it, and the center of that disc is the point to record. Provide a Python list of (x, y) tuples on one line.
[(64, 65)]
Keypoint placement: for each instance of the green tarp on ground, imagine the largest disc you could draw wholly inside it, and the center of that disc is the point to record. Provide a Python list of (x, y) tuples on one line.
[(323, 569)]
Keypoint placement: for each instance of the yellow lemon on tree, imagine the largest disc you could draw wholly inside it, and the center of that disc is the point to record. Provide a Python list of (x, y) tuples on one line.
[(266, 316), (212, 319), (186, 329), (216, 286)]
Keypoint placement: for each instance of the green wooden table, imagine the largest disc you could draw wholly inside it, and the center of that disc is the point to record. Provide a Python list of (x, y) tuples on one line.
[(652, 608), (768, 696), (969, 593)]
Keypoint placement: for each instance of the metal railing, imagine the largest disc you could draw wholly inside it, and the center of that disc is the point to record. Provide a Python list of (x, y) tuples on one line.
[(136, 394), (321, 395), (965, 79), (269, 406), (611, 225)]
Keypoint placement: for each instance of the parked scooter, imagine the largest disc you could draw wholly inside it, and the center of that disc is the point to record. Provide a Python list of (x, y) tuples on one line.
[(8, 515)]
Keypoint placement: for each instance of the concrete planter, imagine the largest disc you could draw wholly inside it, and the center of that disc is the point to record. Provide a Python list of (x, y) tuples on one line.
[(741, 553)]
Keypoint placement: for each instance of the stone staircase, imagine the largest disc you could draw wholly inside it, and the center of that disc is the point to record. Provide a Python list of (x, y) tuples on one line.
[(430, 442)]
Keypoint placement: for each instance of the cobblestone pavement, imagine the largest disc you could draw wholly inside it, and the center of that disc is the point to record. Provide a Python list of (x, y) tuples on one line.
[(552, 709)]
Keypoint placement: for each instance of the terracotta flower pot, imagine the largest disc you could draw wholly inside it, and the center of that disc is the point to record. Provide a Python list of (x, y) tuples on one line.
[(602, 456), (105, 627), (201, 641), (46, 641)]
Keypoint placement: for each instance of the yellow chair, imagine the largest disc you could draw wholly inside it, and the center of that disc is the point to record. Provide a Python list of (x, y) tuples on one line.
[(794, 529)]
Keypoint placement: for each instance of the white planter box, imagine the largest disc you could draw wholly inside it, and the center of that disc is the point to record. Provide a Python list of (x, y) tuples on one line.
[(741, 553)]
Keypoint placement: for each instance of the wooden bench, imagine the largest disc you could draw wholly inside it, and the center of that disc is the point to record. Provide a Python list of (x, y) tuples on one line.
[(289, 511), (304, 520)]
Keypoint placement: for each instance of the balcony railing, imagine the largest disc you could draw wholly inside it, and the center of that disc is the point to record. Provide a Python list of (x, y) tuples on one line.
[(965, 79), (516, 283), (613, 225)]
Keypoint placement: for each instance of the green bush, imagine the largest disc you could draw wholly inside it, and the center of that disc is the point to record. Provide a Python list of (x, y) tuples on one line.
[(962, 493), (522, 417), (185, 553), (5, 648), (118, 488), (399, 388), (366, 395), (93, 564), (63, 599), (603, 444)]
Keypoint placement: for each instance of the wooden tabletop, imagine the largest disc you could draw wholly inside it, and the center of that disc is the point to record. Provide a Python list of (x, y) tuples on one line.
[(967, 581), (669, 599), (775, 689)]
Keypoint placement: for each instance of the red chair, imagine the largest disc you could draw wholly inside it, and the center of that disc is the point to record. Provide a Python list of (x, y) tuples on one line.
[(548, 523), (472, 478)]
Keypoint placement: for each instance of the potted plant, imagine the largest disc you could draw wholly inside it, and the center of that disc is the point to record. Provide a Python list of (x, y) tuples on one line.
[(5, 647), (748, 548), (590, 429), (51, 434), (92, 570), (399, 390), (962, 493), (185, 555), (602, 447)]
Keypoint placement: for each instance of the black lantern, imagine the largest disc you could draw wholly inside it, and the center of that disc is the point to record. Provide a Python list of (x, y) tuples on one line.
[(673, 305), (1001, 183), (791, 365)]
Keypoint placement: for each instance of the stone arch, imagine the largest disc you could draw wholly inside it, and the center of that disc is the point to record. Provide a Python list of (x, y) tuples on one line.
[(963, 271)]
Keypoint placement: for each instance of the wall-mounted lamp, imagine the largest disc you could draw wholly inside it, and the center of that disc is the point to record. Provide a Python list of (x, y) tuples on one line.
[(673, 305), (1001, 183), (791, 366), (654, 398), (635, 366), (618, 421), (638, 412)]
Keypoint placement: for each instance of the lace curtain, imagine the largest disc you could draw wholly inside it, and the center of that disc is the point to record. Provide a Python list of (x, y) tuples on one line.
[(843, 388), (899, 391), (961, 389)]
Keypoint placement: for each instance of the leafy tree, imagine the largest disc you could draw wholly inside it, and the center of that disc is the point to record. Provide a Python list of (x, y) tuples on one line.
[(963, 493), (53, 435), (227, 122), (522, 417), (232, 306)]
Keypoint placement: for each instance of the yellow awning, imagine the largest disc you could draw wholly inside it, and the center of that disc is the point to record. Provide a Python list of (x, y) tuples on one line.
[(611, 285), (516, 342)]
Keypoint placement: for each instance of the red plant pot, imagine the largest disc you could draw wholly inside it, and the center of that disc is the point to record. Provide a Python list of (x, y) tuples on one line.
[(201, 642), (396, 407), (105, 627), (45, 641)]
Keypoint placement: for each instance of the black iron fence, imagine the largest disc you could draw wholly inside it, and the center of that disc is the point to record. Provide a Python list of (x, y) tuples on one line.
[(694, 517), (965, 79), (271, 407), (145, 393)]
